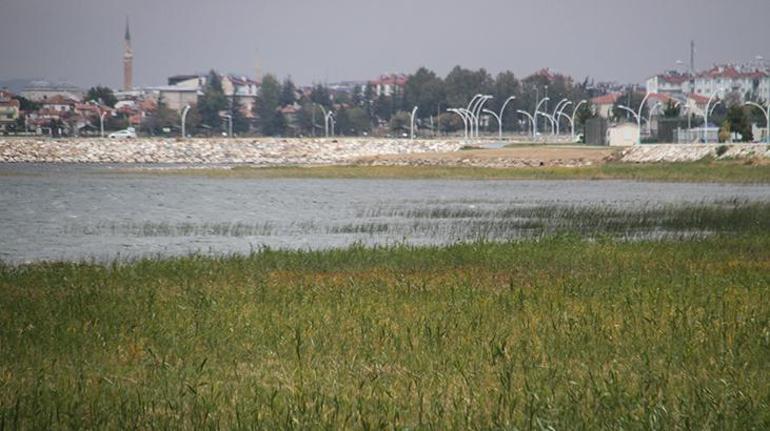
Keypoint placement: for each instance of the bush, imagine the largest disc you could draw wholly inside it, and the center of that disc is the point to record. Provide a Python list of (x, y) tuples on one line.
[(721, 150)]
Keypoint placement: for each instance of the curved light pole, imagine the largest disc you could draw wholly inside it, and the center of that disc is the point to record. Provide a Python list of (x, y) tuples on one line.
[(550, 119), (411, 123), (184, 120), (649, 117), (499, 117), (229, 125), (766, 111), (101, 122), (477, 110), (707, 112), (574, 113), (499, 122), (555, 113), (464, 118), (332, 122), (531, 120), (537, 108), (558, 113), (638, 116), (326, 120)]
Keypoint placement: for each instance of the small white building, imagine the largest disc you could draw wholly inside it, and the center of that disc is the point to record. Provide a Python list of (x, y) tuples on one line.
[(623, 135)]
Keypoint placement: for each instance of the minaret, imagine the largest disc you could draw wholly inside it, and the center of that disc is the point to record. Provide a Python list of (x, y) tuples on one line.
[(128, 62)]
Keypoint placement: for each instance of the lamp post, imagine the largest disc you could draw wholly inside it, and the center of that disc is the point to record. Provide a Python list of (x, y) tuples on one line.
[(229, 125), (465, 120), (101, 122), (537, 108), (499, 122), (559, 112), (550, 119), (638, 117), (499, 117), (765, 110), (483, 99), (411, 123), (531, 120), (555, 113), (574, 113), (649, 117), (707, 112), (184, 120)]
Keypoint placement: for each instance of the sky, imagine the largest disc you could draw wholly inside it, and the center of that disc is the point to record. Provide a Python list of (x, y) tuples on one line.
[(81, 41)]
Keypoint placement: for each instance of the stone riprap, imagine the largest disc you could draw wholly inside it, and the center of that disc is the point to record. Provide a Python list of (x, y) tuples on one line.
[(262, 151), (652, 153)]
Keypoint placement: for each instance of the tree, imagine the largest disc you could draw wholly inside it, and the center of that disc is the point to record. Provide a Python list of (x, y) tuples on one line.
[(505, 86), (240, 122), (462, 84), (102, 95), (424, 90), (288, 93), (399, 123), (321, 96), (671, 111), (632, 100), (267, 108), (352, 121), (213, 102), (26, 105), (738, 121)]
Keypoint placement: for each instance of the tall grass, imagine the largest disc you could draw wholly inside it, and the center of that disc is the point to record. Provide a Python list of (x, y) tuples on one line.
[(702, 171), (560, 333)]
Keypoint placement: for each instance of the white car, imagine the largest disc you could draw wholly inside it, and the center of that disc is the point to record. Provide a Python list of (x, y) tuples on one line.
[(129, 133)]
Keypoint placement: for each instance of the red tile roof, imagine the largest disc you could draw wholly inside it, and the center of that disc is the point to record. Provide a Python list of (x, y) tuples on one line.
[(607, 99)]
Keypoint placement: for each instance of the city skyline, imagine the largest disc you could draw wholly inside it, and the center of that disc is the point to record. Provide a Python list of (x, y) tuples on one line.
[(82, 42)]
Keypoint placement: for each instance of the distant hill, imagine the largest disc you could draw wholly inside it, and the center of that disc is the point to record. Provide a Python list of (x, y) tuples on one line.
[(14, 85)]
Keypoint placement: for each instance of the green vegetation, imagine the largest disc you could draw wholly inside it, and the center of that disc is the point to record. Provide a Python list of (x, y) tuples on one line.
[(563, 333), (702, 171)]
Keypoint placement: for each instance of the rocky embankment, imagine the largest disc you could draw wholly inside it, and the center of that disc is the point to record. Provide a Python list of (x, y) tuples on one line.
[(652, 153), (263, 151)]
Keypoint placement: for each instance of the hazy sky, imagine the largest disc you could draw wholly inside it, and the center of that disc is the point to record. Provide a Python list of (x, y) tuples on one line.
[(328, 40)]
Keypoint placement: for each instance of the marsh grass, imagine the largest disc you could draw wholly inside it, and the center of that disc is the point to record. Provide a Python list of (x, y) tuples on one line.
[(707, 170), (168, 229), (560, 333)]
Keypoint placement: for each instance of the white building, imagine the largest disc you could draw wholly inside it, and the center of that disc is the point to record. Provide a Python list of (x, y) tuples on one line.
[(748, 81)]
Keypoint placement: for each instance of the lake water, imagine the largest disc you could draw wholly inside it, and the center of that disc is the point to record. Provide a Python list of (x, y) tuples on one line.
[(69, 212)]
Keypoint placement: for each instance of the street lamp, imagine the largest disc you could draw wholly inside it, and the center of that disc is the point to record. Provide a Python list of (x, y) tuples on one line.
[(638, 116), (101, 122), (550, 119), (765, 110), (649, 117), (574, 113), (531, 119), (707, 112), (499, 117), (184, 118), (229, 125), (411, 123), (464, 118), (476, 110), (537, 108)]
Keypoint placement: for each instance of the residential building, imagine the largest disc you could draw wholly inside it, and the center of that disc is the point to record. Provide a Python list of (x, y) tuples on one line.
[(748, 81), (388, 85), (10, 110), (603, 104)]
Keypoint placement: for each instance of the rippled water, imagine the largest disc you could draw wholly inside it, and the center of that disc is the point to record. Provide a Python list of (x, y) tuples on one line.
[(67, 212)]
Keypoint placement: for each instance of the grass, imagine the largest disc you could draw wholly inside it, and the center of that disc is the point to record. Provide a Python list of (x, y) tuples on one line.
[(701, 171), (560, 333)]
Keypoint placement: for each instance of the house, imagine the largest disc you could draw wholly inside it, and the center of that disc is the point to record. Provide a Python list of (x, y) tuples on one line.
[(748, 80), (10, 110), (388, 85), (670, 83), (603, 104)]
